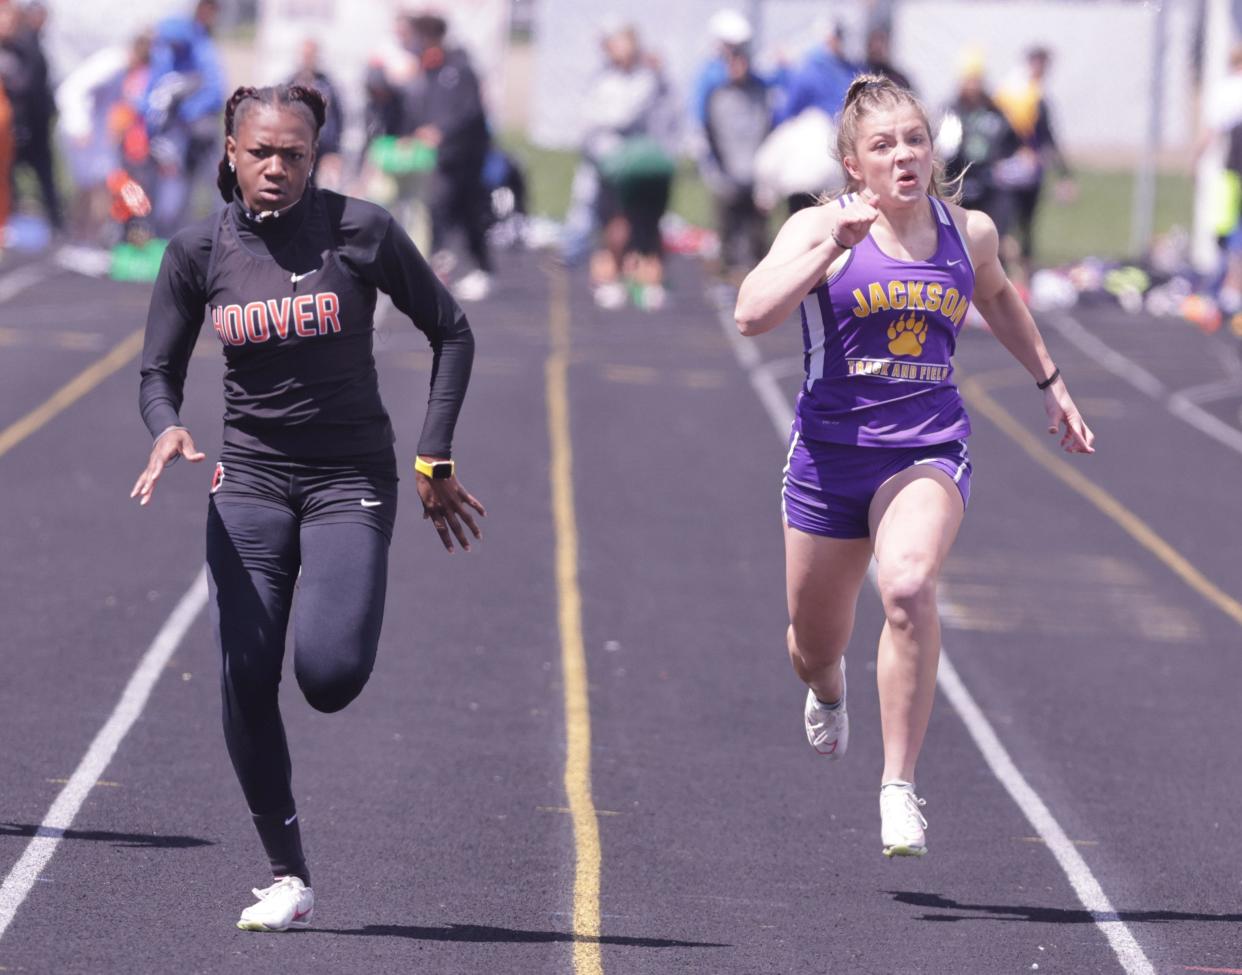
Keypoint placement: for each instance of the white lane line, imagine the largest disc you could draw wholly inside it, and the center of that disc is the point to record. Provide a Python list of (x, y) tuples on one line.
[(1232, 365), (784, 368), (1208, 392), (18, 280), (1180, 404), (60, 816), (1090, 894), (1186, 410)]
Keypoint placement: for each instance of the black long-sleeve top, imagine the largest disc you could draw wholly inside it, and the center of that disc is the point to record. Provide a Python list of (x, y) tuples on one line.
[(292, 300)]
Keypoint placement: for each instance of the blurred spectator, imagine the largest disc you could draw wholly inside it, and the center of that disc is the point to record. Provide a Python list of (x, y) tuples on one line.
[(974, 135), (1019, 177), (6, 158), (181, 106), (101, 132), (131, 205), (87, 99), (329, 169), (445, 111), (630, 123), (398, 57), (1223, 117), (383, 122), (729, 29), (795, 164), (738, 117), (505, 183), (879, 56), (578, 232), (384, 107), (13, 76), (823, 77), (1222, 111), (25, 75)]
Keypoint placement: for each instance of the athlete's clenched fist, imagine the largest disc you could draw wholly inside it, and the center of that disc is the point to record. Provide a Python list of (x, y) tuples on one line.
[(854, 221)]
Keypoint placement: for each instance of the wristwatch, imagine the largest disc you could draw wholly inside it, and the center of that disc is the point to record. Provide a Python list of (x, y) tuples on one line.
[(437, 470)]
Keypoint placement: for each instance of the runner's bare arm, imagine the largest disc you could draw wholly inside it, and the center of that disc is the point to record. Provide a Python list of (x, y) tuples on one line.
[(799, 259), (1011, 322)]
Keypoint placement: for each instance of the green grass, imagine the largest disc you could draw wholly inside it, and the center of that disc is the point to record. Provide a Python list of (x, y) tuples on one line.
[(1098, 221), (1096, 224)]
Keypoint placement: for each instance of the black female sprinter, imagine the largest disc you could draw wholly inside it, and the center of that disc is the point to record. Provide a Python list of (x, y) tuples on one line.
[(307, 478)]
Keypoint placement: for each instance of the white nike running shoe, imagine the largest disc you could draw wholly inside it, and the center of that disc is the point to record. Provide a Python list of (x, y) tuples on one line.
[(901, 821), (827, 729), (286, 904)]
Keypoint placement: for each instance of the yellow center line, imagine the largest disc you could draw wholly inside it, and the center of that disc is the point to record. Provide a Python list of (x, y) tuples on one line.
[(981, 402), (587, 959), (71, 392)]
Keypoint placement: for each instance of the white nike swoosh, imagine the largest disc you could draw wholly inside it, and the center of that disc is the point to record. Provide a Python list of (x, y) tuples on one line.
[(289, 821), (295, 278), (955, 263), (370, 504)]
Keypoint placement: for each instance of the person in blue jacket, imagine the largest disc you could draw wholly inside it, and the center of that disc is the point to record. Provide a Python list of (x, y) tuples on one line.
[(182, 105), (822, 79), (730, 30)]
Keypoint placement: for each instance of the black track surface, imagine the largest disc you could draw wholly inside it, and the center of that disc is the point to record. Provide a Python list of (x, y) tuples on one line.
[(433, 808)]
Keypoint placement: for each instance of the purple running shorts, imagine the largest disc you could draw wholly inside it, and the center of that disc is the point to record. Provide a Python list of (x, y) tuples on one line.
[(828, 487)]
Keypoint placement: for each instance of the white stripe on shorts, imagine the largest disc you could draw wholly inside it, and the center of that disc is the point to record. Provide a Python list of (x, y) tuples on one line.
[(793, 445), (818, 337), (961, 468)]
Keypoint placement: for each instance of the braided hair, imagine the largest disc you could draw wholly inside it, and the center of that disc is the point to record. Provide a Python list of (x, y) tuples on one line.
[(302, 98)]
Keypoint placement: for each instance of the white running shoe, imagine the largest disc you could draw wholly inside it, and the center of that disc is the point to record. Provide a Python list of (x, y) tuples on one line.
[(474, 286), (286, 904), (611, 296), (827, 729), (653, 297), (901, 821)]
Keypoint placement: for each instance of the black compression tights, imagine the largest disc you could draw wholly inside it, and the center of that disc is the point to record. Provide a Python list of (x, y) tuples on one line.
[(254, 553)]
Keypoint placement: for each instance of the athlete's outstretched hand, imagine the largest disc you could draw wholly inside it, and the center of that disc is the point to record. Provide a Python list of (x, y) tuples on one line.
[(855, 219), (1064, 418), (171, 444), (447, 504)]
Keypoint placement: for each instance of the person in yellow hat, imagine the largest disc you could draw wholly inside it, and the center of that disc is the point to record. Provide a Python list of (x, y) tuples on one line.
[(1020, 177), (974, 136)]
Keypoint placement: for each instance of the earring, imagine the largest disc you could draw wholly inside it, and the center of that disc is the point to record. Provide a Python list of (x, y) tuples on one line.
[(232, 166)]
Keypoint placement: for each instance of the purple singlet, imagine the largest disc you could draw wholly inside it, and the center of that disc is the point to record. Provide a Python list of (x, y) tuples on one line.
[(879, 337)]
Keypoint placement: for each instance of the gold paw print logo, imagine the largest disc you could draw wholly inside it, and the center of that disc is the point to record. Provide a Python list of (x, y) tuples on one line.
[(907, 335)]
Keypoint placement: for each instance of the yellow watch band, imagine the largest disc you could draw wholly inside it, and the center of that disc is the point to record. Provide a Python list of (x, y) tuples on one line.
[(428, 469)]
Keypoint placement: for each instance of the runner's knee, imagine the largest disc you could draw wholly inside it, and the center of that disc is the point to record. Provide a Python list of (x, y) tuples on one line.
[(907, 589), (330, 682)]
